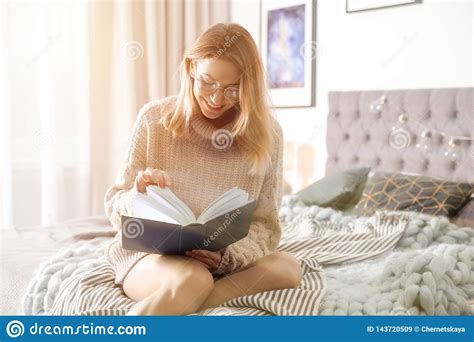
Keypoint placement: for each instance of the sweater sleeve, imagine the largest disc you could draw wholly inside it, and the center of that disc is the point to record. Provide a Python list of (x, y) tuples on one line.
[(265, 231), (117, 200)]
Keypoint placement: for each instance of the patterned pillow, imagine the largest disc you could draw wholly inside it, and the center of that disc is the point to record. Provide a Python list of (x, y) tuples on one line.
[(465, 217), (396, 191)]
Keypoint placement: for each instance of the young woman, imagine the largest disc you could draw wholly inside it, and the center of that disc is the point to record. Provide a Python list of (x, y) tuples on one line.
[(217, 133)]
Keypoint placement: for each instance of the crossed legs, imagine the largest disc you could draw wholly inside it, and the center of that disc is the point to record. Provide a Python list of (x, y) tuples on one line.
[(179, 285)]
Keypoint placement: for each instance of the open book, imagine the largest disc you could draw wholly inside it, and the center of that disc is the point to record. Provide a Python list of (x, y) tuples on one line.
[(162, 223)]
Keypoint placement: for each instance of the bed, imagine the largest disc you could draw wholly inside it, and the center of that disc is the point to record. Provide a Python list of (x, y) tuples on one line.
[(359, 133), (396, 276)]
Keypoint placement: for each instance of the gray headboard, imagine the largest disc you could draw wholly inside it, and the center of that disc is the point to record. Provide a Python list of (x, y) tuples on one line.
[(360, 136)]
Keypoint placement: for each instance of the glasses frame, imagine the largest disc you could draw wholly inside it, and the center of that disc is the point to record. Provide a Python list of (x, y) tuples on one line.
[(215, 85)]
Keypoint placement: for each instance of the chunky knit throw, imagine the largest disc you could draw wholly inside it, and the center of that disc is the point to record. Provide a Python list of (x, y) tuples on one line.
[(429, 272)]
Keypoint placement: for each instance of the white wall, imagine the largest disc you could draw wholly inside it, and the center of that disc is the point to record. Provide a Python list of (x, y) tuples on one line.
[(427, 45)]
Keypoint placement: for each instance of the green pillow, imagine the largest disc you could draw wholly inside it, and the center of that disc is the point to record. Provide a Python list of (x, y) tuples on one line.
[(340, 190)]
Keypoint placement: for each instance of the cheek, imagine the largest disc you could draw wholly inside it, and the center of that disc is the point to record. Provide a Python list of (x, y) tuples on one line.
[(197, 94), (200, 98), (196, 91)]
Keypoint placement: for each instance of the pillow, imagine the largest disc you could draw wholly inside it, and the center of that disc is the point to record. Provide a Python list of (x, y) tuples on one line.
[(465, 217), (339, 191), (396, 191)]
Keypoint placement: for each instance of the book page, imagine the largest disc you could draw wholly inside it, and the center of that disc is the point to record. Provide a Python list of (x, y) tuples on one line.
[(161, 204), (145, 208), (166, 197), (228, 201)]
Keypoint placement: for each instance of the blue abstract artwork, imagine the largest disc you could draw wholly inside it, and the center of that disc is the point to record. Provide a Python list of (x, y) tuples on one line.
[(286, 37)]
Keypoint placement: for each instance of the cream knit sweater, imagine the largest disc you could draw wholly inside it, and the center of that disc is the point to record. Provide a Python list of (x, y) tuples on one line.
[(199, 173)]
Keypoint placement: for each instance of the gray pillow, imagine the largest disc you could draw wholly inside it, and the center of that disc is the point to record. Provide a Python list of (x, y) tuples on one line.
[(340, 191)]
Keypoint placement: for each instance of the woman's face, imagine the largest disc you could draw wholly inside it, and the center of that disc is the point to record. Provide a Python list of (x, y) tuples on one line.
[(214, 104)]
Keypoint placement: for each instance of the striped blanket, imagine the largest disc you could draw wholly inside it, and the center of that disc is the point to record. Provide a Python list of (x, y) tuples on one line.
[(315, 238)]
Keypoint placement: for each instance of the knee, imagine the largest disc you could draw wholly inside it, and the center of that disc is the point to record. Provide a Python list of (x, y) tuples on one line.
[(193, 276), (184, 290), (191, 283), (290, 272)]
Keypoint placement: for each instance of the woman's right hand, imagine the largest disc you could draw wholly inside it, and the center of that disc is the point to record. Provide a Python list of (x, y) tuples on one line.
[(151, 177)]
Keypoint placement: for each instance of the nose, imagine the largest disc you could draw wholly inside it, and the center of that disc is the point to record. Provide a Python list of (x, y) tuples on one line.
[(218, 97)]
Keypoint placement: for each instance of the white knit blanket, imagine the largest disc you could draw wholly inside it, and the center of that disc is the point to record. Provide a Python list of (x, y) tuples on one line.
[(430, 271)]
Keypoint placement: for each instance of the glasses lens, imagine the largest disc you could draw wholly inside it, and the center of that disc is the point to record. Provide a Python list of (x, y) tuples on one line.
[(206, 86), (232, 94)]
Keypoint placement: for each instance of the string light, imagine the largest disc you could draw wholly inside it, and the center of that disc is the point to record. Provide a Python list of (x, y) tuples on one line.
[(424, 145), (378, 104), (425, 142), (452, 151)]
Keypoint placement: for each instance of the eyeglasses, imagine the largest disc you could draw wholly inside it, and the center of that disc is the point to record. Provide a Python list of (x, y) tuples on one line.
[(209, 86)]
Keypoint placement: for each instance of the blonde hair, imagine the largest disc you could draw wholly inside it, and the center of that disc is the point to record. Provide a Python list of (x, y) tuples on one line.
[(254, 128)]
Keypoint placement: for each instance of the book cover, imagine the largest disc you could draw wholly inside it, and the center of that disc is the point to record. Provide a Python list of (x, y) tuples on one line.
[(164, 238)]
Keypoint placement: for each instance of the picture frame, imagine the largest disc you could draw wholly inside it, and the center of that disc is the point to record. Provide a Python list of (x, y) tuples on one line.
[(353, 6), (289, 51)]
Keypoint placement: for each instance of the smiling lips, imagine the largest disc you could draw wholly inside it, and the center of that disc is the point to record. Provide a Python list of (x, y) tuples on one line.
[(214, 108)]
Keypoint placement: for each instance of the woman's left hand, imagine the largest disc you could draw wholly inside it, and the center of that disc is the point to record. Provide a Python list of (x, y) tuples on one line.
[(209, 259)]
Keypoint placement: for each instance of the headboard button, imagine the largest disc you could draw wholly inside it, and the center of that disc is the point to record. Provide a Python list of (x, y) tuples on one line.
[(367, 137), (455, 114), (428, 114)]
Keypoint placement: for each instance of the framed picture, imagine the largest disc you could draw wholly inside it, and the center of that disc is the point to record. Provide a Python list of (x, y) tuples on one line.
[(367, 5), (289, 51)]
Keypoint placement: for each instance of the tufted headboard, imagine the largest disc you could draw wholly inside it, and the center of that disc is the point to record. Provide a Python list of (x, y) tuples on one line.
[(359, 134)]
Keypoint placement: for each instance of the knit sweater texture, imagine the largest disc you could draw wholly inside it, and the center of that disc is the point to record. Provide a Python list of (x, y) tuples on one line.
[(200, 171)]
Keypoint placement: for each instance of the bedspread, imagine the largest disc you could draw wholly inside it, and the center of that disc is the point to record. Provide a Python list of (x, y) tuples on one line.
[(314, 237)]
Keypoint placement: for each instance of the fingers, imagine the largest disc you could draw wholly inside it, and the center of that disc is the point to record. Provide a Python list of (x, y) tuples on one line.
[(210, 258), (167, 178), (158, 176), (151, 176), (154, 177), (140, 183), (207, 262), (145, 176), (207, 254)]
